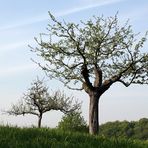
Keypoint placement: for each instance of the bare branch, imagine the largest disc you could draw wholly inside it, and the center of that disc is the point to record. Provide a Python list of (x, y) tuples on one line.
[(98, 76), (37, 101)]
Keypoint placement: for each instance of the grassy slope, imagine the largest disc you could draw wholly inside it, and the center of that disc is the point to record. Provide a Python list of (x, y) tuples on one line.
[(11, 137)]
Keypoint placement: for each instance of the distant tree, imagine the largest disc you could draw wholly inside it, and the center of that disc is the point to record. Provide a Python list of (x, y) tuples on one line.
[(38, 101), (141, 129), (129, 129), (96, 53), (73, 121), (133, 129)]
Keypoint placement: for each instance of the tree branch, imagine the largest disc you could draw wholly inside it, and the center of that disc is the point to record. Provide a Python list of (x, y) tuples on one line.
[(98, 76), (85, 74)]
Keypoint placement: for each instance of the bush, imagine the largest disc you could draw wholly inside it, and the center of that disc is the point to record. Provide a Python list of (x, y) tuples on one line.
[(73, 122)]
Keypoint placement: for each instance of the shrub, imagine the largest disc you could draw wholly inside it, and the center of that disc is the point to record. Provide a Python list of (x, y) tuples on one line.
[(73, 122)]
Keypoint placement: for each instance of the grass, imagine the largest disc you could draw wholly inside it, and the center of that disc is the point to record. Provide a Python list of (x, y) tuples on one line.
[(13, 137)]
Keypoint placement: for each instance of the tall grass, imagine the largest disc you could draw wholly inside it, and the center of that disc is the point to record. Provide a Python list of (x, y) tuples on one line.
[(13, 137)]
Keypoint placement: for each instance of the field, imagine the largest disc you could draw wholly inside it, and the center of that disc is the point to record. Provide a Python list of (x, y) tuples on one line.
[(13, 137)]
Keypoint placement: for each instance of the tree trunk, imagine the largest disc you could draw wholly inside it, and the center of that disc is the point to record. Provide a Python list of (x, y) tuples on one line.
[(39, 120), (93, 114)]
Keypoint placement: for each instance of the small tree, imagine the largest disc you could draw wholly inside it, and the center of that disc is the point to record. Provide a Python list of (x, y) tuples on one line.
[(73, 121), (38, 101), (97, 53)]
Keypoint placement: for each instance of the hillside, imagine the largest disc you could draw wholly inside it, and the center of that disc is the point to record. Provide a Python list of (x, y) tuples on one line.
[(13, 137)]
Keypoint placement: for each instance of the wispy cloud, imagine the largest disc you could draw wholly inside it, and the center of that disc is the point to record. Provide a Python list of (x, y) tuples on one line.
[(25, 22), (9, 71), (44, 17), (16, 45), (8, 47), (90, 6)]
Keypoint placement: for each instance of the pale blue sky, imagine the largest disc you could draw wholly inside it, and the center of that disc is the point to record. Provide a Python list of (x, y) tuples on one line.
[(22, 20)]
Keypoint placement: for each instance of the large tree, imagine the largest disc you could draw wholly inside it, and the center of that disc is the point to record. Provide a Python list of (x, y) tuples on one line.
[(96, 53), (37, 101)]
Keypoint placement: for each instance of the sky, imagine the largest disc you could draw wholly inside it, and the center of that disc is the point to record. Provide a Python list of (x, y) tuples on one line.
[(21, 21)]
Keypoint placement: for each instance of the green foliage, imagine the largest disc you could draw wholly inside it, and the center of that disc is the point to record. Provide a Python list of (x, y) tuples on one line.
[(73, 122), (11, 137), (125, 129), (141, 129)]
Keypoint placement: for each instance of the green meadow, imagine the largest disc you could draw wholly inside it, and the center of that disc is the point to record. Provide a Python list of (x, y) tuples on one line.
[(14, 137)]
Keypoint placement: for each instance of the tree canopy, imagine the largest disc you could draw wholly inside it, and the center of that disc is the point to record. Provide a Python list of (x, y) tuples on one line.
[(94, 52), (133, 129)]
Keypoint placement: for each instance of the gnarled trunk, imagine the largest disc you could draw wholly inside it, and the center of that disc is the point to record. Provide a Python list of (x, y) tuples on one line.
[(94, 113), (39, 120)]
